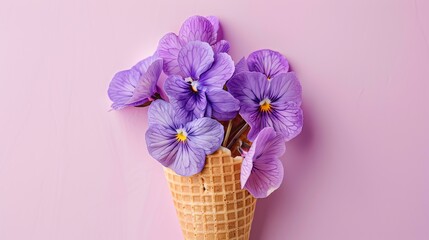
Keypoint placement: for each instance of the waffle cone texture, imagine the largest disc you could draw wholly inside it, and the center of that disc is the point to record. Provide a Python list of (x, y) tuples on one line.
[(211, 204)]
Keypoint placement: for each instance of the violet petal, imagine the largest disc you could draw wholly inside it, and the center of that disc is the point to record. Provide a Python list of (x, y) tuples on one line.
[(198, 28), (195, 58)]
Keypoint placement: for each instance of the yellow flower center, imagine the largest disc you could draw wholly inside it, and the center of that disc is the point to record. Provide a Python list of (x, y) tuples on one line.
[(265, 105), (181, 135)]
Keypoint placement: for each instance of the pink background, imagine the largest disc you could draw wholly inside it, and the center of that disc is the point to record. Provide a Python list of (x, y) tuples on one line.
[(69, 169)]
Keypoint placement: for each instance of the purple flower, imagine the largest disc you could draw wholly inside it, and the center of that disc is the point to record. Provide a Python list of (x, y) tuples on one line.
[(266, 61), (181, 146), (262, 171), (269, 103), (198, 91), (135, 86), (195, 28)]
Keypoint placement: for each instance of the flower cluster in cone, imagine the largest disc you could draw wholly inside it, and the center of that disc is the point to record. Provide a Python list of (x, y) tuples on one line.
[(207, 96)]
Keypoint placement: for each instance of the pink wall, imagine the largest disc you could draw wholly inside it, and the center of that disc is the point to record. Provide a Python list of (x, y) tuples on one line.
[(69, 169)]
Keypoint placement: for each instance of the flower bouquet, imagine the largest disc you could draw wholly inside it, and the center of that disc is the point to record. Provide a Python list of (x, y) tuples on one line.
[(220, 130)]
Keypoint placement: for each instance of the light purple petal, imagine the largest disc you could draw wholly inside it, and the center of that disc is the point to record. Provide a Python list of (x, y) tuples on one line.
[(286, 88), (262, 171), (195, 58), (269, 144), (162, 144), (198, 28), (215, 23), (121, 88), (220, 72), (144, 64), (268, 62), (241, 66), (266, 178), (205, 133), (188, 104), (221, 46), (247, 166), (288, 120), (160, 112), (223, 105), (146, 86), (248, 86), (287, 91), (188, 161), (168, 49)]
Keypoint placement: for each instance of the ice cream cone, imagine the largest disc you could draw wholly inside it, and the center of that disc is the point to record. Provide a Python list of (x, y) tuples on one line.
[(211, 204)]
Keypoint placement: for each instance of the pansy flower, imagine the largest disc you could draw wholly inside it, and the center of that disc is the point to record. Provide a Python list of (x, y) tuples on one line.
[(180, 145), (195, 28), (135, 86), (266, 61), (198, 91), (262, 171), (269, 102)]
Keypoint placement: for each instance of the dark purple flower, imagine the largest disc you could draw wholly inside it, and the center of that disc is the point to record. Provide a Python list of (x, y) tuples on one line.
[(266, 61), (198, 91), (181, 146), (195, 28), (274, 102), (262, 171), (135, 86)]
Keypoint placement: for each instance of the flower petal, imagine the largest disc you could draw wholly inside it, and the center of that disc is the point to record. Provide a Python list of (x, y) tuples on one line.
[(262, 171), (168, 49), (223, 105), (220, 72), (221, 46), (288, 120), (241, 66), (215, 23), (268, 62), (121, 88), (269, 144), (286, 88), (144, 64), (195, 58), (189, 161), (205, 133), (161, 113), (248, 87), (146, 86), (162, 144), (266, 177), (188, 104), (198, 28)]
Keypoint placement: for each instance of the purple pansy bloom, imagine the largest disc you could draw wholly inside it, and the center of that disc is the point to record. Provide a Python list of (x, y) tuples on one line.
[(266, 61), (181, 146), (135, 86), (271, 102), (262, 171), (195, 28), (198, 91)]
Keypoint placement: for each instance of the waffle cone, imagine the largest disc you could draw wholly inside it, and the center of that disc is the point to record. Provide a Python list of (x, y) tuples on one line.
[(211, 204)]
